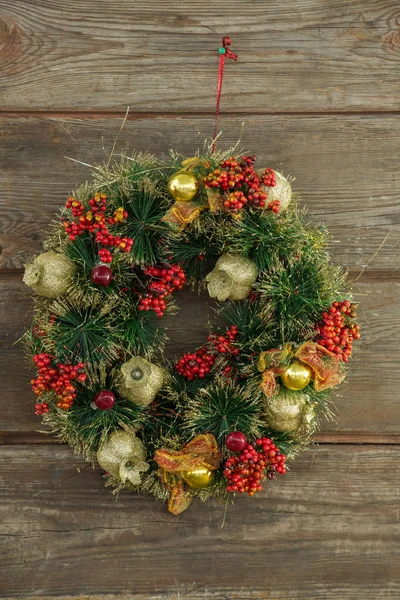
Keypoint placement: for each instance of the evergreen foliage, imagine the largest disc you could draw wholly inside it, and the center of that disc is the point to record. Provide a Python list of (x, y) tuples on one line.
[(105, 326)]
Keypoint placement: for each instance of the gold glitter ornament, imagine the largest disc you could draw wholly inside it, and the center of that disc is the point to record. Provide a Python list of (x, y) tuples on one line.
[(183, 186), (296, 376), (282, 191), (140, 381), (123, 455), (49, 274), (198, 478), (232, 277), (284, 412)]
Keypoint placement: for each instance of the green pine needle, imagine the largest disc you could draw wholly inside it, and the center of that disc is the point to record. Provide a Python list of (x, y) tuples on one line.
[(222, 408)]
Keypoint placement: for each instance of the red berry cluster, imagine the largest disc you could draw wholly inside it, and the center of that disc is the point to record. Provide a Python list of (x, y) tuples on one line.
[(274, 206), (95, 221), (268, 178), (337, 329), (235, 201), (56, 377), (163, 281), (105, 255), (198, 364), (41, 408), (244, 472), (243, 184), (223, 343)]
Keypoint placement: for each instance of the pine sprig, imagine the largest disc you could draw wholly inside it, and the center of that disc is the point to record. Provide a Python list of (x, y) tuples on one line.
[(146, 208), (222, 408), (81, 330), (293, 297)]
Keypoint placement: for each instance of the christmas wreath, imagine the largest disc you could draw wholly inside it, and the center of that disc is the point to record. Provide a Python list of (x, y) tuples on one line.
[(223, 418)]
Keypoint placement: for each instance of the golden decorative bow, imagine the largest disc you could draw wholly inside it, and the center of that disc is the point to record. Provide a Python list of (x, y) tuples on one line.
[(202, 451), (182, 213), (324, 364)]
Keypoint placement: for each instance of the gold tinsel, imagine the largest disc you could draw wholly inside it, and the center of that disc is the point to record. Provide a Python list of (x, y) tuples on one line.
[(49, 274), (123, 455), (231, 278), (140, 381)]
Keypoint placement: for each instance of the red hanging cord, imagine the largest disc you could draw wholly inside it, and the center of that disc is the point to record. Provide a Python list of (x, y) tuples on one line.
[(224, 52)]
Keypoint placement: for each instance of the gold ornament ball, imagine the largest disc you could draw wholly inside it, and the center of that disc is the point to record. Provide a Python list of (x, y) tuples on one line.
[(296, 376), (183, 186), (198, 478)]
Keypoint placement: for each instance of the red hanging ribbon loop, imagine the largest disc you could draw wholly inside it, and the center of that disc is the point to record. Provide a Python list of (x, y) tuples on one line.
[(225, 52)]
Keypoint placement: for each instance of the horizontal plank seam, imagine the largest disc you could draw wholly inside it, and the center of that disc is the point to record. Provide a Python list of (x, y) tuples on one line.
[(187, 114), (10, 438), (366, 277)]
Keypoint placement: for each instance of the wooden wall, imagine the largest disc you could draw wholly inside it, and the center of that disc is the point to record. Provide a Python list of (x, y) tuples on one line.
[(316, 92)]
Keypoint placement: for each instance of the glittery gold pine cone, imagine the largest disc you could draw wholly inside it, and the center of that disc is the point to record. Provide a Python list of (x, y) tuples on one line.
[(140, 381), (123, 455), (231, 278), (49, 274), (284, 412)]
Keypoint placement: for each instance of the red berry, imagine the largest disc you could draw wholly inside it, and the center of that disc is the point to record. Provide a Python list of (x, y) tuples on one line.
[(104, 400), (101, 275), (236, 441)]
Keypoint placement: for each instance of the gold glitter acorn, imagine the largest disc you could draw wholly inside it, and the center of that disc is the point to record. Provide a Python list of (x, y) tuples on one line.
[(198, 478), (183, 186), (231, 278), (296, 376), (140, 381), (282, 191), (49, 274), (284, 412), (123, 455)]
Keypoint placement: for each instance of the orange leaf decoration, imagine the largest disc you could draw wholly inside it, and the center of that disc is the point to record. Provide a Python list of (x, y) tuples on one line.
[(325, 365)]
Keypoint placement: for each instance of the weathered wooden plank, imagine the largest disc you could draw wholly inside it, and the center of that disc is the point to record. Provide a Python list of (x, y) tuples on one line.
[(327, 530), (346, 169), (368, 405), (105, 55)]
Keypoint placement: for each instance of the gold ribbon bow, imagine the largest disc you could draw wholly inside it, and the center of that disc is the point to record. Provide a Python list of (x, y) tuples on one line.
[(324, 364), (182, 213), (202, 451)]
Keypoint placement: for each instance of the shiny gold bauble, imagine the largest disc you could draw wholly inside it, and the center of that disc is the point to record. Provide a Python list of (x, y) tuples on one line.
[(198, 478), (296, 376), (183, 186)]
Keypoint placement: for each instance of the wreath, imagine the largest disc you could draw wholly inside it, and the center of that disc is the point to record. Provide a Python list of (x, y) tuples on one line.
[(221, 419)]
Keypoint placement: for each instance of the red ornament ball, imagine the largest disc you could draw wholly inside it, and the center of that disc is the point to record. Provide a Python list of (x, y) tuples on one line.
[(104, 399), (236, 441), (101, 275)]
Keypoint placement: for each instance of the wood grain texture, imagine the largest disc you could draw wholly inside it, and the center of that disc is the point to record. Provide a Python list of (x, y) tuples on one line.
[(308, 55), (328, 530), (346, 168), (367, 405)]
